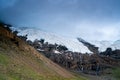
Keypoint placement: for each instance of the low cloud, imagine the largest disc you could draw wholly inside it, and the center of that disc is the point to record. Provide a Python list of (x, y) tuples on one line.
[(98, 31)]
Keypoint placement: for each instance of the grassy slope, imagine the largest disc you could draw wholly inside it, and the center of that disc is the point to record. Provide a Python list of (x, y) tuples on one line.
[(28, 64), (116, 73)]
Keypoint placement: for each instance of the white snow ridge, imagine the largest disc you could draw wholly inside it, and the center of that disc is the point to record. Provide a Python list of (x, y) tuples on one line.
[(72, 44), (103, 45)]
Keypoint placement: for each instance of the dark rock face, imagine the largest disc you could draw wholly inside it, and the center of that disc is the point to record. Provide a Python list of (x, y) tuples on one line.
[(91, 47), (115, 54), (108, 52)]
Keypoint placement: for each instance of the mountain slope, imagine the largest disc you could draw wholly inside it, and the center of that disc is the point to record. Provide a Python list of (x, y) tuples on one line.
[(100, 46), (71, 44), (103, 45), (19, 61)]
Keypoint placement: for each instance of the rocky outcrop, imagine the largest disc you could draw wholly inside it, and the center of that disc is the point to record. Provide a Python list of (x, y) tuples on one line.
[(91, 47)]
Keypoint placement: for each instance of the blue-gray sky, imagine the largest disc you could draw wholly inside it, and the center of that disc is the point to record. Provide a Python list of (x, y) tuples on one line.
[(89, 19)]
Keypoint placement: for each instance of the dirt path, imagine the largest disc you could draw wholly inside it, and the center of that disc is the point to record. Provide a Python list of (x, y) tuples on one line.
[(95, 77)]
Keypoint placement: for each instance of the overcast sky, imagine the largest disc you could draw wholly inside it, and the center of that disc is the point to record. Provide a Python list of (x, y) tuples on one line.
[(89, 19)]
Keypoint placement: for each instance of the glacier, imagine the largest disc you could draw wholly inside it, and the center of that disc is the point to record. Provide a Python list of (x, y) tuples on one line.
[(34, 33)]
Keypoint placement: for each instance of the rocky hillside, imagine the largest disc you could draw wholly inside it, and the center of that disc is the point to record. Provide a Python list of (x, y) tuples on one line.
[(19, 61)]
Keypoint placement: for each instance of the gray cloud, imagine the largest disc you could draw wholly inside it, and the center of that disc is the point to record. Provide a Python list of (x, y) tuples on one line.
[(89, 19)]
